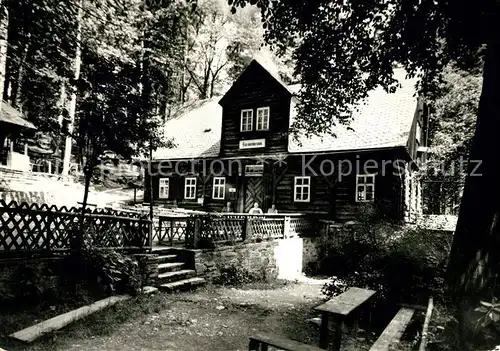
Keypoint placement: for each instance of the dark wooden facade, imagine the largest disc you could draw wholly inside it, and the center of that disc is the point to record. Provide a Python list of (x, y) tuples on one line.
[(332, 192)]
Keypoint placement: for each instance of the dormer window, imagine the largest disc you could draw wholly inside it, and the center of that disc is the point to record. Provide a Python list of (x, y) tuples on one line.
[(263, 118), (246, 120)]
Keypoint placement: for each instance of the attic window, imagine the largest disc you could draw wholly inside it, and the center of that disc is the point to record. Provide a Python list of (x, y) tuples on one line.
[(263, 118), (207, 130), (246, 120)]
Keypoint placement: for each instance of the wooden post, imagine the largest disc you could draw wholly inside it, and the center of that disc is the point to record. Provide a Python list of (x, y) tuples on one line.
[(150, 234), (338, 324), (197, 232), (286, 227), (244, 234), (160, 224), (171, 229), (323, 331)]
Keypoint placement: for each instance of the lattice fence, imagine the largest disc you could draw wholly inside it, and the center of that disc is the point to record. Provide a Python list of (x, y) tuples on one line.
[(171, 230), (224, 228), (230, 228), (33, 227), (301, 226), (266, 228)]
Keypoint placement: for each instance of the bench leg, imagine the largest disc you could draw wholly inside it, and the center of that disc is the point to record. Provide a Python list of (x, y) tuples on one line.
[(323, 331), (337, 338), (256, 345)]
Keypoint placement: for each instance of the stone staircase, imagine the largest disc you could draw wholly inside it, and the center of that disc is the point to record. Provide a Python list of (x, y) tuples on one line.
[(174, 273)]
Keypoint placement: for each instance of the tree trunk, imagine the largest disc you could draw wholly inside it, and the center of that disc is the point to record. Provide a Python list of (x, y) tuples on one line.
[(4, 31), (16, 98), (88, 172), (476, 246), (72, 104)]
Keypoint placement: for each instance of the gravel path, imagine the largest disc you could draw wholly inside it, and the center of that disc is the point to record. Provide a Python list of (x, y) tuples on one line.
[(212, 318)]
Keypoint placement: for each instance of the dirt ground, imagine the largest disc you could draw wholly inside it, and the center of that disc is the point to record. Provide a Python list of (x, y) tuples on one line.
[(211, 318)]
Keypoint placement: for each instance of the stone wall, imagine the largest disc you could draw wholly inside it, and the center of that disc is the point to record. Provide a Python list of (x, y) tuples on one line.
[(35, 276), (148, 265), (274, 259)]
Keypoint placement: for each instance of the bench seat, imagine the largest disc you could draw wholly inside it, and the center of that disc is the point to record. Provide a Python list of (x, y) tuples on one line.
[(394, 330)]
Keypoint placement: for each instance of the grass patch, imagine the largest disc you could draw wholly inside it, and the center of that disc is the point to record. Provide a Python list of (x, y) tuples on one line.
[(98, 324)]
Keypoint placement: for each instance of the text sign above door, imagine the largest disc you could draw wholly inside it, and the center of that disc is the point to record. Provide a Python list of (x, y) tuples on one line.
[(252, 144)]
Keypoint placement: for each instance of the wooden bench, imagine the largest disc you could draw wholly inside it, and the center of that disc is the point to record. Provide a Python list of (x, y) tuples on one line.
[(393, 332), (339, 308), (261, 342)]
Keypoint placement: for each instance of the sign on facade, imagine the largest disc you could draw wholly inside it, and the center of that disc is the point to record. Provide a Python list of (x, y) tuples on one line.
[(252, 144)]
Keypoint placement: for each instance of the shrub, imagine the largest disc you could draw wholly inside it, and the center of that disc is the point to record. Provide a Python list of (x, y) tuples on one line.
[(405, 264), (111, 272), (235, 276)]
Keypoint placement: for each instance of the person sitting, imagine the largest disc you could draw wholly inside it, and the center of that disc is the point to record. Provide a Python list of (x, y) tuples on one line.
[(272, 209), (227, 208), (255, 210)]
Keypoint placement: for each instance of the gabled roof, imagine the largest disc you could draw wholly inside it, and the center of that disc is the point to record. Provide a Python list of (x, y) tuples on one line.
[(383, 122), (10, 115), (196, 131), (256, 64)]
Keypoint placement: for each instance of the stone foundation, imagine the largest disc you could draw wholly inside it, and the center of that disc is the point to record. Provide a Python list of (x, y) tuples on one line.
[(274, 259), (46, 276), (148, 265)]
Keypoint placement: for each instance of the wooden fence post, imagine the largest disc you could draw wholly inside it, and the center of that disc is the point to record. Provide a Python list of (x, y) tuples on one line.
[(150, 234), (244, 234), (197, 232), (286, 227)]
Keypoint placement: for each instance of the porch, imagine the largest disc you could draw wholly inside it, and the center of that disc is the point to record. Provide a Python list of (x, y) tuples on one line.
[(204, 230)]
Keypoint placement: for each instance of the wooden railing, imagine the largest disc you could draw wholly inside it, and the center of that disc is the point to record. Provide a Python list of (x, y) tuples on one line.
[(33, 227), (237, 227)]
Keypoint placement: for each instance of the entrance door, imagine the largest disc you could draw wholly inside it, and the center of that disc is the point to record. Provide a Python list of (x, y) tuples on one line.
[(254, 192)]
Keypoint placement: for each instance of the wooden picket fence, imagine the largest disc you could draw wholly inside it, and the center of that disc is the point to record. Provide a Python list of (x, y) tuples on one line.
[(33, 227)]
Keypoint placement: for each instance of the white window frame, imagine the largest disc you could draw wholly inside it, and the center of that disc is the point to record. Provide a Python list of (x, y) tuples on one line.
[(303, 188), (365, 185), (190, 188), (219, 188), (260, 117), (246, 124), (163, 183)]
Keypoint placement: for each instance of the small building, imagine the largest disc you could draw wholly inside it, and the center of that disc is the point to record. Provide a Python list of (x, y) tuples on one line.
[(238, 149), (12, 125)]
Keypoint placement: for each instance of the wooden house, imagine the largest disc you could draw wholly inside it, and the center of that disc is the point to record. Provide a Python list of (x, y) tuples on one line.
[(237, 149), (12, 125)]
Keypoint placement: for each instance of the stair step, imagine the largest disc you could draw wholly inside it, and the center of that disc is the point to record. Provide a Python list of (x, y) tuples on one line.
[(169, 277), (167, 258), (170, 267), (183, 284)]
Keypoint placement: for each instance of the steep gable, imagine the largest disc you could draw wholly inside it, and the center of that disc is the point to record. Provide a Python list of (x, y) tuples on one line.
[(259, 67)]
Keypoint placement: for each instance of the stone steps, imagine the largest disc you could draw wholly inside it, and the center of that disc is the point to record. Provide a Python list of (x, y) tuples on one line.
[(170, 267), (166, 258), (184, 284), (173, 273), (170, 277)]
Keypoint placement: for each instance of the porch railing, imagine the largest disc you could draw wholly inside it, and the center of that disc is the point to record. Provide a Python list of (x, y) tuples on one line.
[(217, 229)]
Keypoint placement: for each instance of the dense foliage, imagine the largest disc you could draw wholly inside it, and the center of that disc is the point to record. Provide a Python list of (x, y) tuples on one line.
[(451, 127), (404, 264)]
